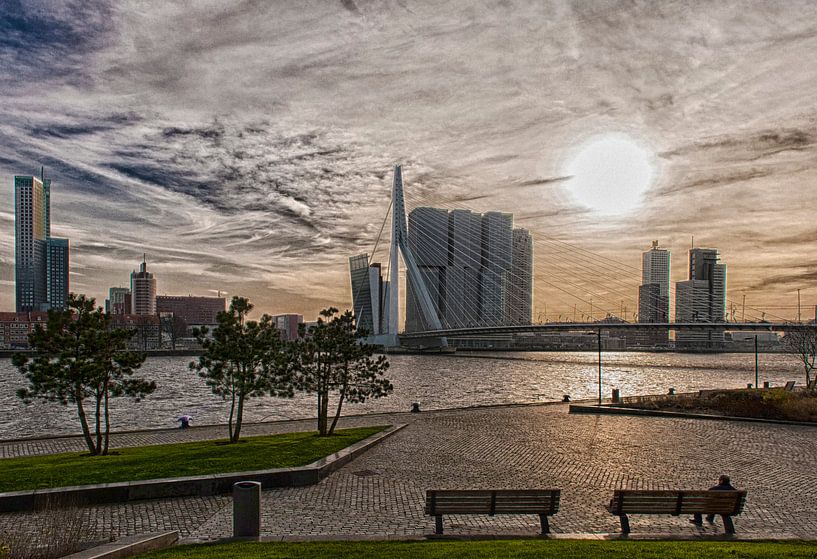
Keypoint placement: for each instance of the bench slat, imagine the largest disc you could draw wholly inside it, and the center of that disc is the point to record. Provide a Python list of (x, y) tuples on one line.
[(677, 502)]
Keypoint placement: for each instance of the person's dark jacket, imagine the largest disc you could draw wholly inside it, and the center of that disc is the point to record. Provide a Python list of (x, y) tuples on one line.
[(723, 487)]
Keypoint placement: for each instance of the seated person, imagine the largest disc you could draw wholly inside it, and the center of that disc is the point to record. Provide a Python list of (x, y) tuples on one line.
[(724, 484)]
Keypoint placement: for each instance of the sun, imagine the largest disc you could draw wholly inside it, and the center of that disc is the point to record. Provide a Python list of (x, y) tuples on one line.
[(610, 174)]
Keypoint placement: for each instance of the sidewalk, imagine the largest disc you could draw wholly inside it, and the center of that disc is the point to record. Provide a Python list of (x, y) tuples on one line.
[(381, 494)]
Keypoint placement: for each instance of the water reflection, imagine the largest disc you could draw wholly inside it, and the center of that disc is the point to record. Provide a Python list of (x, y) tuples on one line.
[(434, 381)]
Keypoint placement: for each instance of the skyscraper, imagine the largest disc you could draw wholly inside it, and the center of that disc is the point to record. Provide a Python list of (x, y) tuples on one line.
[(57, 268), (497, 255), (702, 298), (31, 229), (653, 294), (143, 291), (519, 304), (367, 293), (428, 242), (462, 289), (477, 269)]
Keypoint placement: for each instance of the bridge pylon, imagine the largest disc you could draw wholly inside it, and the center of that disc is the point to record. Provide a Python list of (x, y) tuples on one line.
[(400, 247)]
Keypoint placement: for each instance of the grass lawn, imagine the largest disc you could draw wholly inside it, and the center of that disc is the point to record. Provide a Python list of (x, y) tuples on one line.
[(174, 460), (538, 549)]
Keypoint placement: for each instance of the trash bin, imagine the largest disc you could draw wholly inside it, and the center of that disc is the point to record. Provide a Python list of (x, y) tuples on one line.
[(616, 396), (246, 509)]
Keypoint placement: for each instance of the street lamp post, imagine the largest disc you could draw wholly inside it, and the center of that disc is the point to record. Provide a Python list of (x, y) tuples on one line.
[(598, 332)]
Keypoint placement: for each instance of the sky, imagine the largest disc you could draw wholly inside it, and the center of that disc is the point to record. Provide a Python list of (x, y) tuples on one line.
[(246, 146)]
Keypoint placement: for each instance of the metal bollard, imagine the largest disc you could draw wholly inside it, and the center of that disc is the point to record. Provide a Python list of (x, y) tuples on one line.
[(671, 392), (749, 385), (767, 384), (246, 509), (616, 396)]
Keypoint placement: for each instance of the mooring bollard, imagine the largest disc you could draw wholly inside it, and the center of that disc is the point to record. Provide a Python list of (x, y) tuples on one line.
[(616, 396), (671, 392), (767, 384), (566, 398), (415, 407), (246, 509), (749, 385)]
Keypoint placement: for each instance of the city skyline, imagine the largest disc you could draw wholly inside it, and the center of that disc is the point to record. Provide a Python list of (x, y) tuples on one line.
[(247, 185)]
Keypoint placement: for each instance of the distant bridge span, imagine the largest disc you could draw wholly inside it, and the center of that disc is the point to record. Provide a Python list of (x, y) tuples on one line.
[(596, 326)]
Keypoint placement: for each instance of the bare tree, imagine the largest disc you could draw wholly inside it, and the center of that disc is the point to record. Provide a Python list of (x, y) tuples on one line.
[(802, 342)]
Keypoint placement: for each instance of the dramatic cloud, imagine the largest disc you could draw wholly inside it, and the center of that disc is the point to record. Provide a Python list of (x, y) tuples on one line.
[(247, 146)]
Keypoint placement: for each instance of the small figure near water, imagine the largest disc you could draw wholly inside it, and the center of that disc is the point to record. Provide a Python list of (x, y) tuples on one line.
[(724, 484), (184, 421)]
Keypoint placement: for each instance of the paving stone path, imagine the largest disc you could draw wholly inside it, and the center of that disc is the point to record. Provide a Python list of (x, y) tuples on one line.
[(381, 494)]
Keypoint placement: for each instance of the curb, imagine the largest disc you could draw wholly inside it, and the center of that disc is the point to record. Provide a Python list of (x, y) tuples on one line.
[(129, 546), (612, 410), (213, 484)]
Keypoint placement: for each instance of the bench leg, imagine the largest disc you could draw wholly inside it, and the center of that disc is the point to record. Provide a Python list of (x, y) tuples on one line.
[(625, 524), (543, 520), (728, 525), (438, 524)]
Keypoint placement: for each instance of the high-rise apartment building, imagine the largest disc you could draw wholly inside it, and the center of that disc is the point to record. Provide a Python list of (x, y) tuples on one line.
[(57, 273), (497, 255), (653, 294), (143, 291), (477, 269), (702, 298), (367, 294), (31, 229), (428, 243), (41, 269), (462, 275), (519, 304)]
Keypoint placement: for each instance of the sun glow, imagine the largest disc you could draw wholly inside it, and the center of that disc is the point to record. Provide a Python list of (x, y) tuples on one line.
[(610, 174)]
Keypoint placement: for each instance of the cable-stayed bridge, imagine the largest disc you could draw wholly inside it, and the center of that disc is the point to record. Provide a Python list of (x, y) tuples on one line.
[(467, 276)]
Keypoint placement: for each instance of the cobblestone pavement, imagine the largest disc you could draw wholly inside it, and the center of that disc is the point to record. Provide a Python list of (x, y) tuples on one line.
[(381, 494), (33, 446)]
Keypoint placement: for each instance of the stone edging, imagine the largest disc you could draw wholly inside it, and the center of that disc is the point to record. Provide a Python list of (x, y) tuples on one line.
[(613, 410), (213, 484), (129, 546)]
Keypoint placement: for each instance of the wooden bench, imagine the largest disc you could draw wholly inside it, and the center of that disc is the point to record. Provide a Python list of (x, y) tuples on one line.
[(544, 502), (724, 503)]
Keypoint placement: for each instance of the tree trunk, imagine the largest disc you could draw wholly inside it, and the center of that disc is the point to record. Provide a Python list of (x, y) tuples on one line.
[(337, 412), (232, 412), (238, 419), (98, 419), (324, 418), (83, 421), (320, 394), (107, 421)]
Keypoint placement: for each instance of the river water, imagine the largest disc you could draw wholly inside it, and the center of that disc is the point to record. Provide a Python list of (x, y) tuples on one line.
[(434, 381)]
